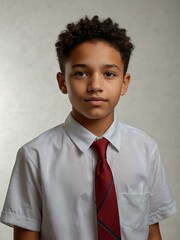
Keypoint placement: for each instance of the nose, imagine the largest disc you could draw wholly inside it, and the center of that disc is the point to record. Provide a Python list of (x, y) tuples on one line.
[(95, 83)]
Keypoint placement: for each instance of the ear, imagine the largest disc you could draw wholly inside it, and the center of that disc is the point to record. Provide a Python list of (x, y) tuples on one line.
[(125, 84), (61, 82)]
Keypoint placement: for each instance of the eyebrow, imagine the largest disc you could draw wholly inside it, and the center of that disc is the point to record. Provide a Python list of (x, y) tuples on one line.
[(112, 66), (79, 65), (105, 65)]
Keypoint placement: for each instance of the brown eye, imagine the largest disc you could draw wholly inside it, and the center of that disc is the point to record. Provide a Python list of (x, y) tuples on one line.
[(109, 74), (80, 74)]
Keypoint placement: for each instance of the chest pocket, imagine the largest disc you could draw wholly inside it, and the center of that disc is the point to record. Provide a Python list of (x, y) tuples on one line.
[(134, 209)]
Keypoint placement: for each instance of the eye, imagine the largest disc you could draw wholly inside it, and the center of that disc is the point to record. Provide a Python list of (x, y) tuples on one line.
[(109, 74), (80, 74)]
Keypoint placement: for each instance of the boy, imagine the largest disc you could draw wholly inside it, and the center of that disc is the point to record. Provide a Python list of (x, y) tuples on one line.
[(57, 180)]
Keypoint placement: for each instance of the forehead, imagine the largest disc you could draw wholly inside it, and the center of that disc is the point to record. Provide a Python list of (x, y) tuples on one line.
[(95, 53)]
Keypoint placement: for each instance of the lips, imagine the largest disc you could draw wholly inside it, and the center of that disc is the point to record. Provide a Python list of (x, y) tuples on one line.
[(95, 99)]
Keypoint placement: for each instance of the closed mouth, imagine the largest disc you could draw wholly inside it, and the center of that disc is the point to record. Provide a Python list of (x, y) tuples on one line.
[(95, 99)]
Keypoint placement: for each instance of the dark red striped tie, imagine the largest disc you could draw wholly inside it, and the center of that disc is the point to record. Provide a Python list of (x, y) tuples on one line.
[(106, 201)]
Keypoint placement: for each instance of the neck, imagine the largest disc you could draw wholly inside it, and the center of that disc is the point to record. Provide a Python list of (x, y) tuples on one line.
[(96, 126)]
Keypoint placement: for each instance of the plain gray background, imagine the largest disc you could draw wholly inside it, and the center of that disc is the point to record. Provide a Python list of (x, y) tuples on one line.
[(31, 103)]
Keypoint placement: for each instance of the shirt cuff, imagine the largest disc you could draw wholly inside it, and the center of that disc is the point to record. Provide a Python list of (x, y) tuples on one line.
[(163, 213), (11, 219)]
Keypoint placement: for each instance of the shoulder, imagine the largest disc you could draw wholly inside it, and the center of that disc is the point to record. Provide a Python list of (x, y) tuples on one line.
[(43, 148), (136, 137), (131, 130), (46, 141), (49, 136)]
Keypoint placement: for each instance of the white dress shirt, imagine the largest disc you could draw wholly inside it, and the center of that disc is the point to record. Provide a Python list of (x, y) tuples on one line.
[(52, 185)]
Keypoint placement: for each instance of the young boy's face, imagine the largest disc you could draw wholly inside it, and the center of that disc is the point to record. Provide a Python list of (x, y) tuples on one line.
[(94, 81)]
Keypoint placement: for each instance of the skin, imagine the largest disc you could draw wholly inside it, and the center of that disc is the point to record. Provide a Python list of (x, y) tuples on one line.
[(94, 81), (24, 234), (154, 232)]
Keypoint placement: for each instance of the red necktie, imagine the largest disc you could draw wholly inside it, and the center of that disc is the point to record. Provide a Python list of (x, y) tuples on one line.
[(106, 201)]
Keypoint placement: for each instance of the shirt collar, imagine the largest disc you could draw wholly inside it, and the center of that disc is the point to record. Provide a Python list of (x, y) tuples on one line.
[(84, 138)]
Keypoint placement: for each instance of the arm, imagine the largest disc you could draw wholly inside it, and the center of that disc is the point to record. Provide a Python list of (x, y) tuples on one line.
[(154, 232), (24, 234)]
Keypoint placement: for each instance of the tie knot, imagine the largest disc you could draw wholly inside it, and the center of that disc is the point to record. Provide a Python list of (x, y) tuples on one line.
[(100, 147)]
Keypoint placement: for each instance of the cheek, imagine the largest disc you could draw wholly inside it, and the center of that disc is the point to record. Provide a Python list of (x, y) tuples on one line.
[(74, 92), (77, 89), (114, 90), (115, 96)]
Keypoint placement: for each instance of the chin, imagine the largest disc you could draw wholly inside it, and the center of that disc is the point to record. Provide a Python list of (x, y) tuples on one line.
[(94, 114), (98, 116)]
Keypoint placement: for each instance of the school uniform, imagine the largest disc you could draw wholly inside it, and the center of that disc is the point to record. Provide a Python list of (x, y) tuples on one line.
[(52, 185)]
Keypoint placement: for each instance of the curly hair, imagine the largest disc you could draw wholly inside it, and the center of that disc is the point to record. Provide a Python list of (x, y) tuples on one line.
[(93, 29)]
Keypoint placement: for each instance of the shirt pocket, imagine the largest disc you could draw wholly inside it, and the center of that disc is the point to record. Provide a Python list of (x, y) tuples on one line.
[(134, 209)]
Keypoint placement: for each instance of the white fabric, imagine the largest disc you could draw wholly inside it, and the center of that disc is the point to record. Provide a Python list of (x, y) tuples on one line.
[(52, 184)]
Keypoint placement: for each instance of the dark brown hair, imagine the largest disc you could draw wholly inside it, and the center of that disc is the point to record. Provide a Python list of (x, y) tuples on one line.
[(93, 29)]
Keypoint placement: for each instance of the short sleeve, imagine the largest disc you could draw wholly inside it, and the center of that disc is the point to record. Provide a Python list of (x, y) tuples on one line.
[(23, 201), (162, 204)]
